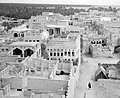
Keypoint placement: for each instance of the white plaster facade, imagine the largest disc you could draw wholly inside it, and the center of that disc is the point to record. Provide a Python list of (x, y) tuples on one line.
[(62, 50)]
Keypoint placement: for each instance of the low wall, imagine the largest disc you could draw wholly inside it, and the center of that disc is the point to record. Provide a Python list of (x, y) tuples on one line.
[(64, 66), (8, 58), (71, 85)]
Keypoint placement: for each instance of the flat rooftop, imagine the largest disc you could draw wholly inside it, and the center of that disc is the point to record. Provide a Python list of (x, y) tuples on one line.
[(55, 26), (69, 45), (20, 30), (24, 44), (64, 45)]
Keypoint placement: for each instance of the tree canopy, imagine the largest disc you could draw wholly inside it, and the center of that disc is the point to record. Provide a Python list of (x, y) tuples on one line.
[(25, 12)]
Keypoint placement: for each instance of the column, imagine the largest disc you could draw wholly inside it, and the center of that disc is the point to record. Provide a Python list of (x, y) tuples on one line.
[(22, 52), (11, 51), (29, 70), (54, 33)]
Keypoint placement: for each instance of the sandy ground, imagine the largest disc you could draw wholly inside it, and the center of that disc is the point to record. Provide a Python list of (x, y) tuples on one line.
[(88, 68)]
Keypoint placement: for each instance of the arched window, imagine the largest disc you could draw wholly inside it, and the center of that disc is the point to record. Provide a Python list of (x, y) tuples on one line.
[(61, 54), (72, 53), (69, 53), (99, 42), (2, 49), (57, 54), (54, 54), (17, 52), (50, 54), (22, 35), (15, 35), (65, 53), (28, 52)]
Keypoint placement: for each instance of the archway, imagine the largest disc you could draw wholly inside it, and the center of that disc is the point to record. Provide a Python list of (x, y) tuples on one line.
[(17, 52), (15, 35), (22, 35), (28, 52)]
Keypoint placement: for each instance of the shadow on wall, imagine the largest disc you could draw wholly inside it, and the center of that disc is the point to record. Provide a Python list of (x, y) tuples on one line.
[(44, 54), (75, 63)]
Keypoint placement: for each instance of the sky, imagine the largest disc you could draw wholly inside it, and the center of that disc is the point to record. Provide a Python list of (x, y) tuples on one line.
[(79, 2)]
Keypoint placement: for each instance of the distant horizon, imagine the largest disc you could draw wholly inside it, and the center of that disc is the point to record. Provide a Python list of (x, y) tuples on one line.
[(59, 4), (67, 2), (46, 4)]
